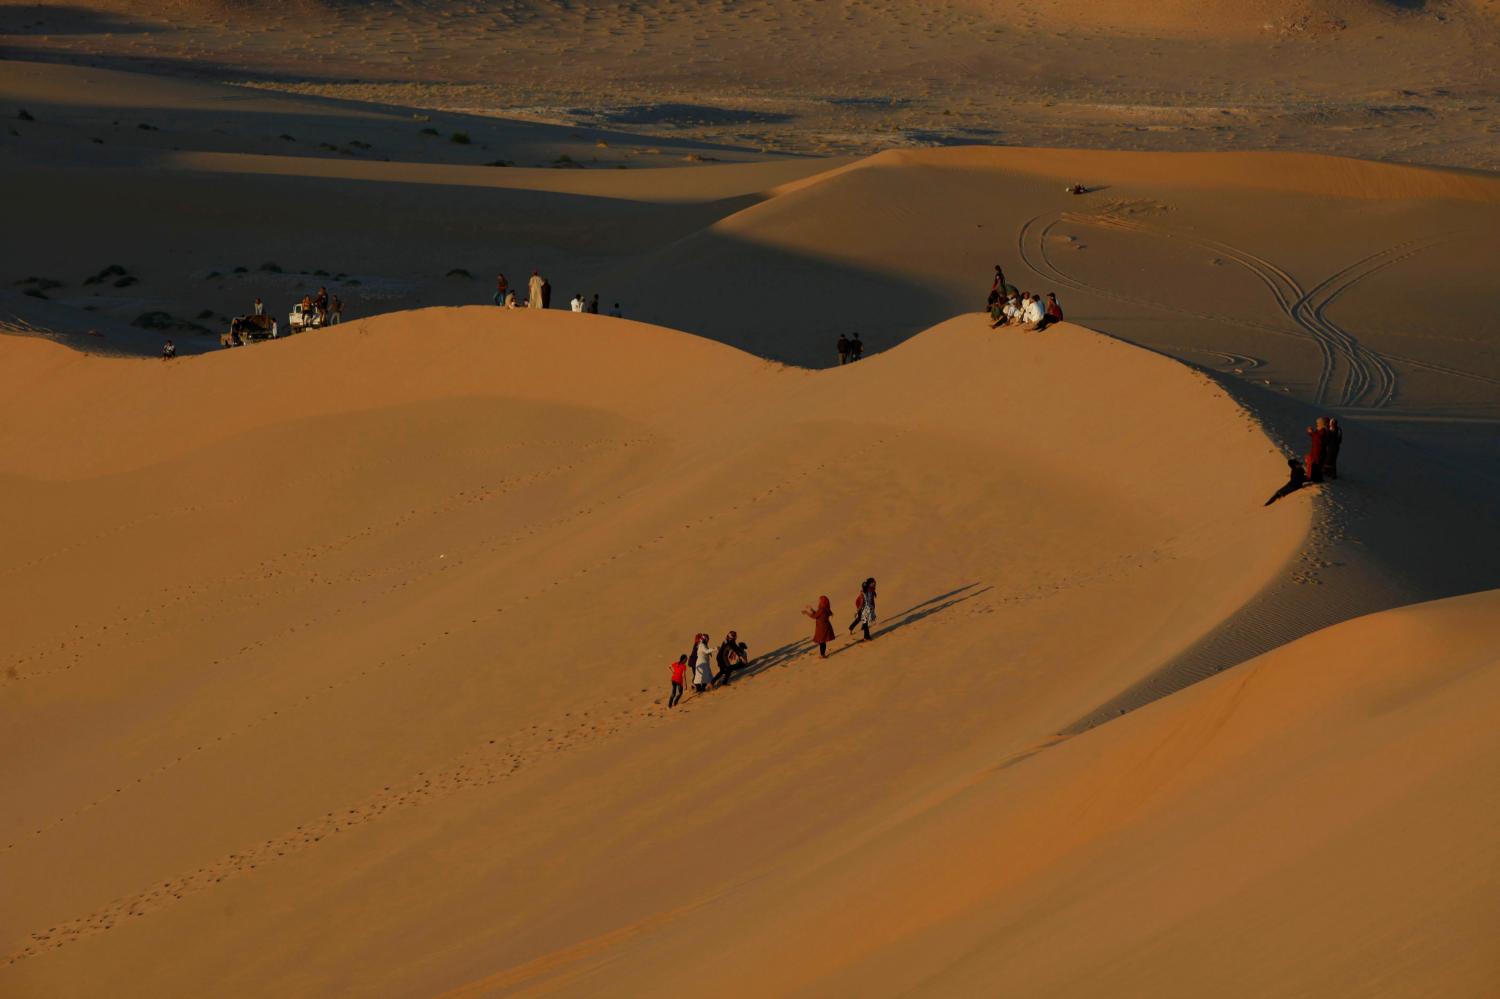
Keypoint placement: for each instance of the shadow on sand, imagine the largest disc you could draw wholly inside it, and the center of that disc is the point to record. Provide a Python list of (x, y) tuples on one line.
[(793, 651)]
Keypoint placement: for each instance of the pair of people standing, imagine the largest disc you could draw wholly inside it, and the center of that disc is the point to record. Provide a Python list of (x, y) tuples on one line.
[(864, 616), (850, 350), (1323, 441)]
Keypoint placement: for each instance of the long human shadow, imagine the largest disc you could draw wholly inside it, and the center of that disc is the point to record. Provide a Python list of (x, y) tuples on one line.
[(792, 651)]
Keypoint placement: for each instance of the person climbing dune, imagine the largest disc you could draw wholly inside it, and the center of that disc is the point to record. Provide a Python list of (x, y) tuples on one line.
[(822, 626), (864, 608), (679, 675)]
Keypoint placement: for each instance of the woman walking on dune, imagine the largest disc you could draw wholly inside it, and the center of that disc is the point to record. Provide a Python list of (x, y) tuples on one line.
[(822, 626), (702, 660), (864, 607)]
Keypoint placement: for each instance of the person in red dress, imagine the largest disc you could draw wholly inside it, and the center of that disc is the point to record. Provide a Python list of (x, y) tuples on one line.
[(1317, 443), (822, 626)]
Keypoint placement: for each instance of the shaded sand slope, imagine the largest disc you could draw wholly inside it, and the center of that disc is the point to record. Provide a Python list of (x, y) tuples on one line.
[(1313, 823), (1306, 272), (336, 663)]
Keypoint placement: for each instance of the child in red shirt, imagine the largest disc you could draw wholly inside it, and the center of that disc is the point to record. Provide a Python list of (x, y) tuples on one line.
[(679, 673)]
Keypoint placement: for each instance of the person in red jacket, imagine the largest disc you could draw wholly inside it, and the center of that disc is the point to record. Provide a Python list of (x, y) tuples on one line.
[(822, 625), (1317, 444), (679, 676)]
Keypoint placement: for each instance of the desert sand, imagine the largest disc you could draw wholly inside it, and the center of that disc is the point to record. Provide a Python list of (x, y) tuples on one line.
[(337, 664)]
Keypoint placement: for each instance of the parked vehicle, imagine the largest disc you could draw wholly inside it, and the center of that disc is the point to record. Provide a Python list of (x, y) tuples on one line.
[(304, 318), (243, 329)]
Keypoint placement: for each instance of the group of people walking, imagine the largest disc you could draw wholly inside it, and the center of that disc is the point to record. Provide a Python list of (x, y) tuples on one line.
[(329, 310), (1324, 438), (707, 667), (851, 348), (539, 296)]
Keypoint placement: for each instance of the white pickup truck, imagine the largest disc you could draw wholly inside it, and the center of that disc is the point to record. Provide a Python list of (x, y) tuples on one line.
[(304, 318)]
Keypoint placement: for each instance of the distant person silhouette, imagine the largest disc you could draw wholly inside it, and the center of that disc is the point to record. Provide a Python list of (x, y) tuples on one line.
[(168, 350), (502, 288), (1296, 481), (843, 347), (593, 309), (1331, 445), (546, 294), (822, 625), (856, 349), (616, 313)]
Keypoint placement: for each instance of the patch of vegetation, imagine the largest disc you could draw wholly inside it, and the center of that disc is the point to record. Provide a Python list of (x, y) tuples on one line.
[(96, 140), (320, 273), (113, 270), (156, 320), (127, 281), (270, 267), (356, 144), (352, 282), (500, 163), (41, 283), (565, 162), (144, 127), (462, 138), (25, 115), (242, 270), (211, 275), (35, 293), (206, 314), (460, 272), (430, 131), (288, 138)]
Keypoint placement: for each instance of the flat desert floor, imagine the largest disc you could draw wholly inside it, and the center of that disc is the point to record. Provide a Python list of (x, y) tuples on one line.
[(338, 664)]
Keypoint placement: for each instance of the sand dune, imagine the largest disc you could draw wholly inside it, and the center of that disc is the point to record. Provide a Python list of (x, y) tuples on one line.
[(336, 665), (346, 560)]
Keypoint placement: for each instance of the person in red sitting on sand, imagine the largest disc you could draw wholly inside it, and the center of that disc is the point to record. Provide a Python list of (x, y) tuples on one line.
[(679, 676)]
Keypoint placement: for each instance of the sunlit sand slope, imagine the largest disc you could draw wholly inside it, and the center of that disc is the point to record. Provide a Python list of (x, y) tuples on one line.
[(337, 664)]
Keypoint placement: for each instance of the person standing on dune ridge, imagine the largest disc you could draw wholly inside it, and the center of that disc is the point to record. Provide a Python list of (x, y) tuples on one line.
[(534, 291), (1331, 446), (822, 626), (1317, 441), (501, 288), (843, 348), (856, 349)]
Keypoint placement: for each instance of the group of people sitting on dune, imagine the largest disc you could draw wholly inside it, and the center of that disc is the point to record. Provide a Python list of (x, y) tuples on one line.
[(539, 296), (1011, 307), (1324, 439), (710, 667)]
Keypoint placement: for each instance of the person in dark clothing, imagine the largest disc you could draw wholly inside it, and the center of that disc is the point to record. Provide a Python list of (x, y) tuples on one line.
[(1317, 441), (594, 305), (856, 348), (1331, 445), (997, 288), (546, 294), (843, 349), (1296, 481), (732, 655), (168, 351), (502, 287)]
